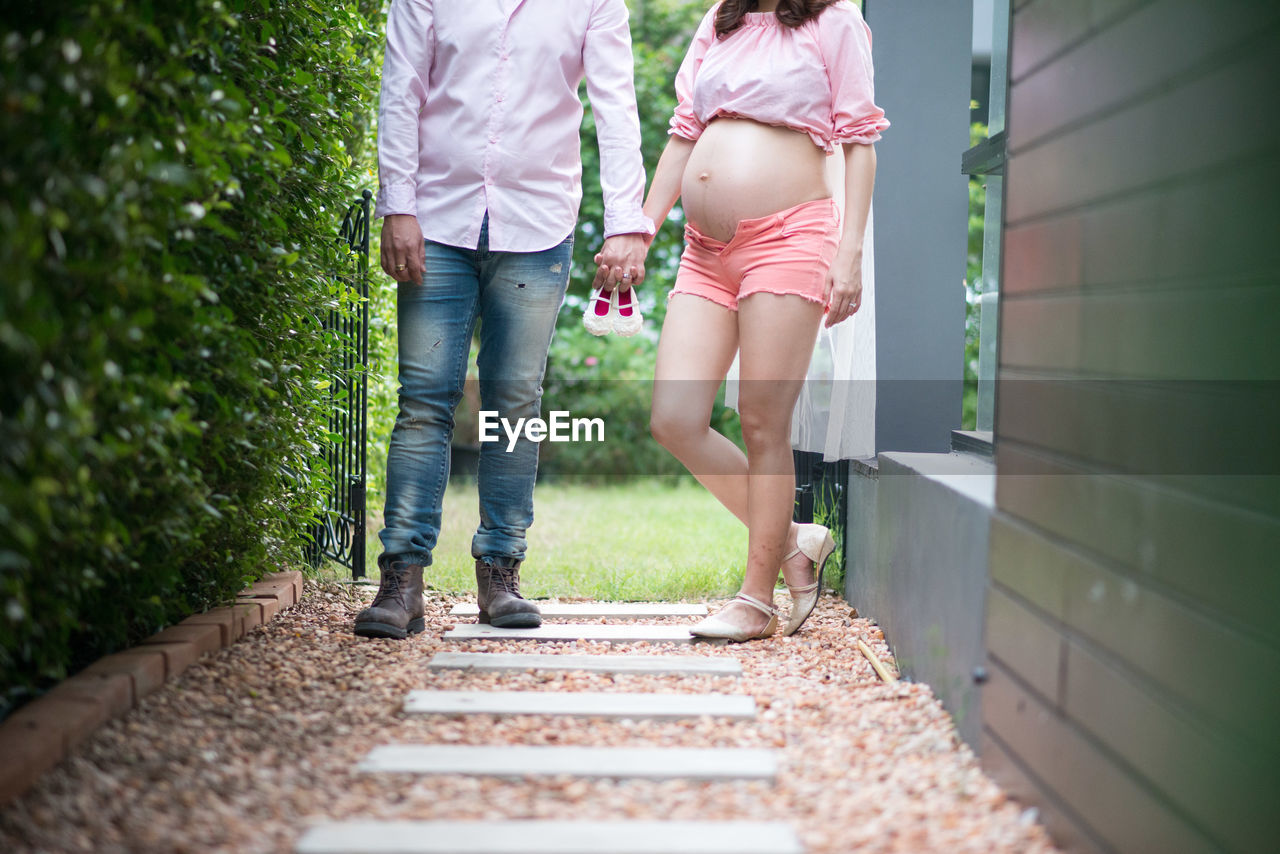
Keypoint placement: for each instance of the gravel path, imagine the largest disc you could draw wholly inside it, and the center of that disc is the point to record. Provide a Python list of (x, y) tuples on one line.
[(247, 749)]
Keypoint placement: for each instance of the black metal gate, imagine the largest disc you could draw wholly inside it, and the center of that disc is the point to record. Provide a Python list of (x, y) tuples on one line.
[(340, 535)]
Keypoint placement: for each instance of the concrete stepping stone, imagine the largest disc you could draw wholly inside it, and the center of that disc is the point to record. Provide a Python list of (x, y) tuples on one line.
[(613, 633), (551, 837), (620, 610), (685, 665), (599, 762), (581, 704)]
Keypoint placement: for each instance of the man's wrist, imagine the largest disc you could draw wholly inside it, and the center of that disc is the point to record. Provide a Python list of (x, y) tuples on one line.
[(637, 223), (397, 197)]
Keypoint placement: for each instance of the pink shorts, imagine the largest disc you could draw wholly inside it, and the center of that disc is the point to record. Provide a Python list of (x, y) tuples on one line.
[(788, 252)]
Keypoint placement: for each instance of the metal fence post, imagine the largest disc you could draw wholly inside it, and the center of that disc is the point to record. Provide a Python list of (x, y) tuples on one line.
[(340, 536)]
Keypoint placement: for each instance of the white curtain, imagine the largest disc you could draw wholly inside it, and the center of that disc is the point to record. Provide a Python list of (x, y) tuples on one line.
[(836, 412)]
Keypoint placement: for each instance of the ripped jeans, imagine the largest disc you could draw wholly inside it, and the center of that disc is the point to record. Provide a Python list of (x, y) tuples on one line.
[(515, 296)]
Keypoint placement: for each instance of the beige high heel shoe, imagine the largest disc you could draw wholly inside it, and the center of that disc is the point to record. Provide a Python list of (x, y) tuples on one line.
[(717, 626), (817, 544)]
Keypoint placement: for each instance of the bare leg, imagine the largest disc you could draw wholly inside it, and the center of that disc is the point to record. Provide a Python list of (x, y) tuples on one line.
[(777, 334), (699, 339), (698, 342)]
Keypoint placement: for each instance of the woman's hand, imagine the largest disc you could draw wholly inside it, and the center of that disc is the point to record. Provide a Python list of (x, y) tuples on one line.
[(844, 287)]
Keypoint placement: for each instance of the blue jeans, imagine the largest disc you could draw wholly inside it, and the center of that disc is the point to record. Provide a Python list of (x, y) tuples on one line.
[(515, 296)]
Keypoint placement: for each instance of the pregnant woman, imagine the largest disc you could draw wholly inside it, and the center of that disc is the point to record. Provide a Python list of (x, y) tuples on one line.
[(768, 91)]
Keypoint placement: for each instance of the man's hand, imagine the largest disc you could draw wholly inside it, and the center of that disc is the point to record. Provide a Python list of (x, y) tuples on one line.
[(621, 261), (404, 255)]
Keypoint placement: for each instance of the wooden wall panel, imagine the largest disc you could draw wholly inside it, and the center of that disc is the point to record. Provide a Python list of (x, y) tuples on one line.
[(1111, 802), (1138, 55), (1148, 335), (1220, 783), (1048, 28), (1135, 549), (1152, 141), (1028, 644), (1019, 783), (1147, 429), (1215, 229), (1194, 659), (1218, 559)]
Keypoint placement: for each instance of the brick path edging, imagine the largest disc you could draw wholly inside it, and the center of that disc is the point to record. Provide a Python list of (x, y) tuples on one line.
[(37, 736)]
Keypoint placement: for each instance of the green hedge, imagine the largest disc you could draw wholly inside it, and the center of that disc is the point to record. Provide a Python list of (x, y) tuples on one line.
[(171, 177)]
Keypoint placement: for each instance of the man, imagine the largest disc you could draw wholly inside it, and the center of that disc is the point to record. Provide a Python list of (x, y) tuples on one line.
[(480, 180)]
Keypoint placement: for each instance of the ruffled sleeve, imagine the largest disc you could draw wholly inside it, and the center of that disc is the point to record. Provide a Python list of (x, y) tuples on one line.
[(685, 122), (845, 40)]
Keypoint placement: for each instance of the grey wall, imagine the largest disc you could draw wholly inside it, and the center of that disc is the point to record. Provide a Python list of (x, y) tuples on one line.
[(916, 562), (923, 54), (864, 583), (1132, 613)]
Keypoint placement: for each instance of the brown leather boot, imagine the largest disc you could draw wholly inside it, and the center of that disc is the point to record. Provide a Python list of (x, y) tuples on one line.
[(498, 595), (397, 611)]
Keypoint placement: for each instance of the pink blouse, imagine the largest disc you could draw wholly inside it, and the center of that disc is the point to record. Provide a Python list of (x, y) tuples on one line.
[(815, 78)]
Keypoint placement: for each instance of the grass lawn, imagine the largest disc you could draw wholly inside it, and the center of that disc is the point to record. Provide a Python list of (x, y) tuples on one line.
[(645, 540)]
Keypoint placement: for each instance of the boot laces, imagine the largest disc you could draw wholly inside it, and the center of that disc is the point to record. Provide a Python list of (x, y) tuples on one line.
[(506, 579), (390, 586)]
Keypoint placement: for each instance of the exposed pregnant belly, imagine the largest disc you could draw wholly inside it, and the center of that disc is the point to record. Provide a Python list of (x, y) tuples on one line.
[(740, 169)]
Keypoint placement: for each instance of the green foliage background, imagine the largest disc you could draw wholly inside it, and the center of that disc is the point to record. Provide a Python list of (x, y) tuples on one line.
[(973, 287), (171, 177)]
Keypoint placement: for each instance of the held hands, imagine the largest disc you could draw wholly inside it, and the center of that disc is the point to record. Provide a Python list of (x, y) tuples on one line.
[(844, 287), (404, 255), (621, 262)]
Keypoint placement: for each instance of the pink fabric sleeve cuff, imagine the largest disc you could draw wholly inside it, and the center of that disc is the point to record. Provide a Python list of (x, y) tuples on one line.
[(398, 198), (628, 222), (686, 126), (864, 132)]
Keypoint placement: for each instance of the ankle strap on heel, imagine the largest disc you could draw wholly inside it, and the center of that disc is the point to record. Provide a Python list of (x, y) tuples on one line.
[(762, 607)]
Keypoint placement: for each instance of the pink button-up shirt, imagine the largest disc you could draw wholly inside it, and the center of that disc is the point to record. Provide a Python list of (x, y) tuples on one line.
[(816, 78), (480, 111)]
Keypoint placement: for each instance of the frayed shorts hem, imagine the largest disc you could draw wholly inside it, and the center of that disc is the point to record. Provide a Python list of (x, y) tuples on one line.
[(732, 305)]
